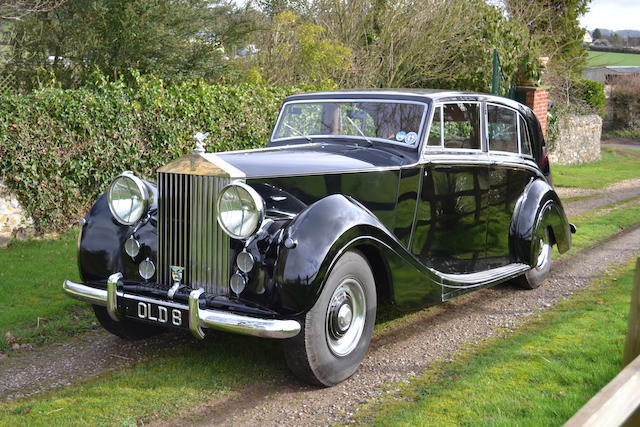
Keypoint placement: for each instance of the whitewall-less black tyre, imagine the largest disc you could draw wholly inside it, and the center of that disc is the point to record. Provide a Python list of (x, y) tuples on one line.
[(337, 330)]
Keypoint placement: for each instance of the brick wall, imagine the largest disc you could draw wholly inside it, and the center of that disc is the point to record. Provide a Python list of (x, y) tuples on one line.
[(538, 101)]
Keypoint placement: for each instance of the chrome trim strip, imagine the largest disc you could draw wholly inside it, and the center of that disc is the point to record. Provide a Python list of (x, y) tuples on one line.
[(473, 280), (112, 299), (198, 318), (231, 170)]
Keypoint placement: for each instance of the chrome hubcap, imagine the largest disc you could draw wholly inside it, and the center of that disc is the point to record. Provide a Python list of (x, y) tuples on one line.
[(543, 255), (345, 317)]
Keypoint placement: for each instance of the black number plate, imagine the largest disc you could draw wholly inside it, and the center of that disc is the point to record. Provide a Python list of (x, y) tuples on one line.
[(162, 314)]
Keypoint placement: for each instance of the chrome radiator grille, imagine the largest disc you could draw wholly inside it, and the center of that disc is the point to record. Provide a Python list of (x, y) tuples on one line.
[(188, 232)]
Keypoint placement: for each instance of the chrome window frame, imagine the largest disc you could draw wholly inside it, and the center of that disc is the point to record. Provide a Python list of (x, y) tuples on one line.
[(441, 148), (417, 144), (520, 119)]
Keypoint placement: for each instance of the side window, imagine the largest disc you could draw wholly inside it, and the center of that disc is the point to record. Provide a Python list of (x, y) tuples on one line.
[(525, 140), (436, 129), (461, 126), (502, 129)]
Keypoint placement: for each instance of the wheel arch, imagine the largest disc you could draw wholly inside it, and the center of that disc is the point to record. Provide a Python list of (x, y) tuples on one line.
[(539, 206), (320, 237)]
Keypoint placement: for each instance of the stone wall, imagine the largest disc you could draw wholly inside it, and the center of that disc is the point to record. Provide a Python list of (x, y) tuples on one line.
[(13, 221), (578, 140)]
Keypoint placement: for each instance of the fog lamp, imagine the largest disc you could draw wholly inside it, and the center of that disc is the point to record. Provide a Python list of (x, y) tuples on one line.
[(237, 283), (245, 261), (147, 269), (132, 247)]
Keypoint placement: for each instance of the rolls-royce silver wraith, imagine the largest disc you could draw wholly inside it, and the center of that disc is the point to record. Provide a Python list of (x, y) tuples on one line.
[(360, 198)]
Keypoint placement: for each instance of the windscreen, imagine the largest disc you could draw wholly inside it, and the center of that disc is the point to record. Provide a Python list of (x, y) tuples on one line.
[(371, 120)]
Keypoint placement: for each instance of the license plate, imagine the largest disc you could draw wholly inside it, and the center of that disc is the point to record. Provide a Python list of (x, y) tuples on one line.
[(161, 314)]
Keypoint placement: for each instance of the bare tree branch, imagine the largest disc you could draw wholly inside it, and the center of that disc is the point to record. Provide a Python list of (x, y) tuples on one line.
[(14, 10)]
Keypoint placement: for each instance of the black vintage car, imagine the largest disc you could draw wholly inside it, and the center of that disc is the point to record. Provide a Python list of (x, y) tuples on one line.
[(361, 198)]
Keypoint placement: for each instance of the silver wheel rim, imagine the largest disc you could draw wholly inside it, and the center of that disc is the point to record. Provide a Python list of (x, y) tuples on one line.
[(345, 319), (543, 255)]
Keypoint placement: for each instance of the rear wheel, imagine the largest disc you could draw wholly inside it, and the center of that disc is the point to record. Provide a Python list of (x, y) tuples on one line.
[(540, 270), (125, 328), (337, 330)]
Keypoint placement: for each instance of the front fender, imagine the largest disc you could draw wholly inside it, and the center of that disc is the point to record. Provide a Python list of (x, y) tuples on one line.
[(101, 246), (539, 206), (321, 233)]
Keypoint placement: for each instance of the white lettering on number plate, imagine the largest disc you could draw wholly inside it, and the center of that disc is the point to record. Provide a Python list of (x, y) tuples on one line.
[(144, 312)]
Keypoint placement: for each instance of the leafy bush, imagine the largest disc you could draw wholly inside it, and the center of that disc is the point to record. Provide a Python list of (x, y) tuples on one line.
[(59, 149), (591, 93), (625, 103)]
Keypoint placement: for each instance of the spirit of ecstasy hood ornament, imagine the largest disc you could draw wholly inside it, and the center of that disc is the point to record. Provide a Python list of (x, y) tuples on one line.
[(200, 137)]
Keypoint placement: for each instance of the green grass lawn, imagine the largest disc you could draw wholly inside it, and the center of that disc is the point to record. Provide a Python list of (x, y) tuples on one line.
[(613, 167), (541, 375), (601, 59), (33, 307), (171, 381), (596, 225)]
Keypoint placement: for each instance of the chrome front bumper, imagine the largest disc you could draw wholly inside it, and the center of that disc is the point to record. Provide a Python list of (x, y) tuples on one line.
[(198, 318)]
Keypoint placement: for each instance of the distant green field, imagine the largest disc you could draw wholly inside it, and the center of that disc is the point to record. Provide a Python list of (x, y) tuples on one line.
[(600, 59)]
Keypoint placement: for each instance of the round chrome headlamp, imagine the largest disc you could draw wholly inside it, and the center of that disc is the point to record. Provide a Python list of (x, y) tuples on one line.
[(128, 198), (240, 210)]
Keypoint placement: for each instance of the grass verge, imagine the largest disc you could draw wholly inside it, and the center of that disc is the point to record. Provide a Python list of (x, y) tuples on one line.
[(173, 379), (540, 375), (615, 166), (33, 308), (596, 225)]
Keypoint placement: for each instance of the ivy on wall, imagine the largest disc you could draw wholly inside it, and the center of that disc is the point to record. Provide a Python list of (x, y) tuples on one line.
[(60, 149)]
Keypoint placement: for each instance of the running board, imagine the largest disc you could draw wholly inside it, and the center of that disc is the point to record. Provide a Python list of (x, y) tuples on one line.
[(483, 278)]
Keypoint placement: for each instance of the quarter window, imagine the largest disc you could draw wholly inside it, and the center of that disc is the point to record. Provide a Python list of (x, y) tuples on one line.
[(435, 132), (502, 129), (461, 126), (525, 140)]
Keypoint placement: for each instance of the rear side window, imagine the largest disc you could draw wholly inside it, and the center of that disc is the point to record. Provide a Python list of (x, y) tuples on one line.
[(461, 126), (525, 140), (502, 129)]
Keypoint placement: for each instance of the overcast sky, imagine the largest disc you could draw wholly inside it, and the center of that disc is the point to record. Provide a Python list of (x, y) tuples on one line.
[(613, 15)]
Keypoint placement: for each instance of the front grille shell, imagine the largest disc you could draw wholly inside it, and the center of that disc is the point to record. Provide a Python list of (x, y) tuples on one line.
[(188, 232)]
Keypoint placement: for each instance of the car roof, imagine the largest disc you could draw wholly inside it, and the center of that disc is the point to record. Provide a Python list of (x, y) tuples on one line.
[(420, 95)]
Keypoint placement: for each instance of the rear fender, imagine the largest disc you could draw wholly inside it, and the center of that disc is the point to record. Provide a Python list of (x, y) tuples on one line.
[(539, 206)]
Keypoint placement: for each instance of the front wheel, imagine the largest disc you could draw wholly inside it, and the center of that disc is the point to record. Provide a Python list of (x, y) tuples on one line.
[(338, 328), (540, 270)]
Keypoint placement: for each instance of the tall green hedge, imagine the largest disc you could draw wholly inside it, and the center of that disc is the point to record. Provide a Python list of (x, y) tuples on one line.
[(59, 149)]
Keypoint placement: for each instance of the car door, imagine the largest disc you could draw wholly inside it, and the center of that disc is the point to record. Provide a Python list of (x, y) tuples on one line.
[(509, 148), (451, 220)]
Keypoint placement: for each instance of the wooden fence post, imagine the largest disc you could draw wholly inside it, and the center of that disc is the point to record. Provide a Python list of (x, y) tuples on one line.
[(632, 342)]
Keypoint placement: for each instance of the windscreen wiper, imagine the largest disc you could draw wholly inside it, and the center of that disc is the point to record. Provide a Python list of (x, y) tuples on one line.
[(359, 130), (307, 137)]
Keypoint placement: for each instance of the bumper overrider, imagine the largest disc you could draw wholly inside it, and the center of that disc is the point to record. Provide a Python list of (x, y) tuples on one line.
[(198, 318)]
